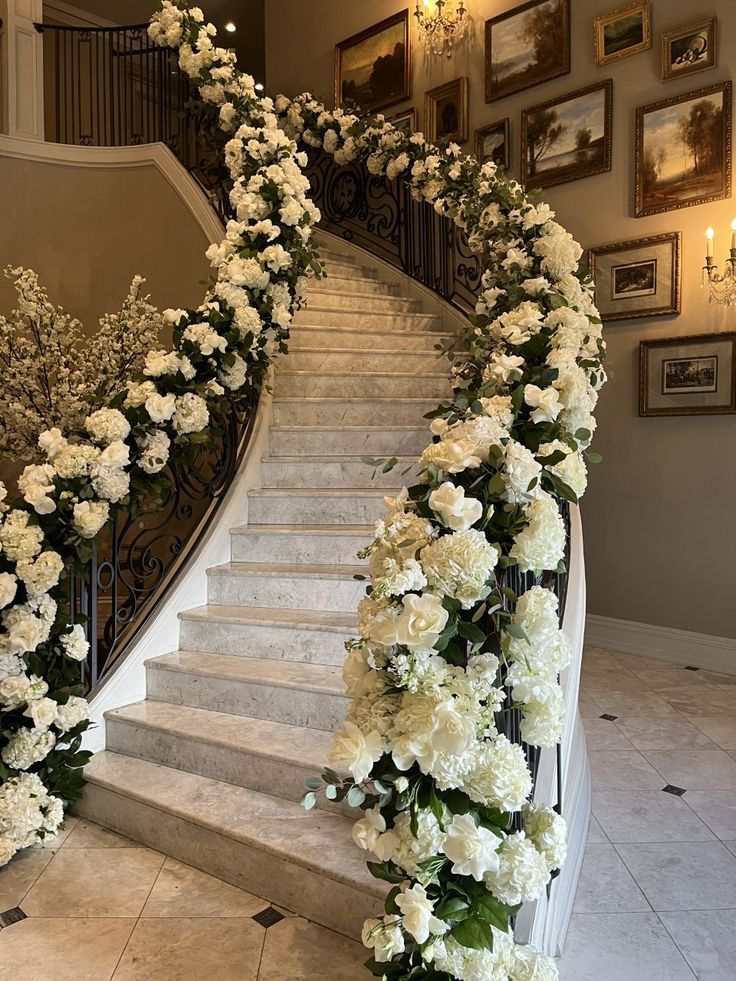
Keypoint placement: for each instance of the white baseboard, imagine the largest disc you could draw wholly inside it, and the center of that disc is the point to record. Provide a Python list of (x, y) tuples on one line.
[(666, 643)]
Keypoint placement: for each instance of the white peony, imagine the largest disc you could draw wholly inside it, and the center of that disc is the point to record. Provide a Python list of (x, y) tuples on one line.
[(473, 850), (43, 711), (69, 715), (451, 455), (36, 483), (504, 368), (545, 402), (89, 517), (460, 565), (160, 408), (417, 914), (355, 751), (51, 442), (454, 509)]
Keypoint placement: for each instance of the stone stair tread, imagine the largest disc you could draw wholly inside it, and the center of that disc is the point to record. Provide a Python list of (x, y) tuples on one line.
[(328, 457), (341, 429), (418, 375), (318, 840), (273, 616), (434, 334), (324, 491), (287, 570), (280, 741), (315, 289), (298, 675), (361, 352), (301, 529), (411, 314)]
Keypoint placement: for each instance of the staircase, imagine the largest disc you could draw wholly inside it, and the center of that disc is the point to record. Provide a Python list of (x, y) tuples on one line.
[(211, 766)]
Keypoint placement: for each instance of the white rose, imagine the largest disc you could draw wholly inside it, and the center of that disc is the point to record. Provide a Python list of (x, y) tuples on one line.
[(545, 402), (356, 672), (8, 588), (384, 936), (471, 849), (43, 711), (452, 732), (24, 633), (452, 455), (74, 643), (69, 715), (417, 914), (504, 367), (421, 621), (368, 830), (455, 510), (352, 749), (160, 408), (89, 517), (51, 441)]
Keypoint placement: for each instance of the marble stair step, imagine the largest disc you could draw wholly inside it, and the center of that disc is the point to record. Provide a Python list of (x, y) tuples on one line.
[(356, 285), (335, 299), (359, 360), (364, 384), (312, 636), (347, 268), (283, 586), (383, 441), (352, 412), (298, 694), (304, 336), (337, 471), (372, 320), (314, 506), (313, 544), (270, 757), (303, 861)]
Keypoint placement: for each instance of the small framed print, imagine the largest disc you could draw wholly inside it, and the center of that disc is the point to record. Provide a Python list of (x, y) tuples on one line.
[(492, 143), (623, 32), (638, 278), (568, 137), (689, 49), (694, 375), (405, 121), (683, 151), (527, 45), (446, 112), (373, 68)]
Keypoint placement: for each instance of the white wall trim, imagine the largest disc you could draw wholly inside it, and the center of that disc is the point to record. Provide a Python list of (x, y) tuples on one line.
[(155, 155), (68, 13), (666, 643)]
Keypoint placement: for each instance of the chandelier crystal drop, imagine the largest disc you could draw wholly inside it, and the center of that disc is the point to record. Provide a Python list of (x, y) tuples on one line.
[(440, 30), (722, 286)]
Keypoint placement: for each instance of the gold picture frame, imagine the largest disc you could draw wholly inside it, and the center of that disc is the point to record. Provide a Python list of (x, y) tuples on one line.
[(446, 112), (689, 49), (405, 120), (548, 47), (592, 149), (500, 154), (655, 190), (623, 32), (675, 371), (638, 278), (388, 39)]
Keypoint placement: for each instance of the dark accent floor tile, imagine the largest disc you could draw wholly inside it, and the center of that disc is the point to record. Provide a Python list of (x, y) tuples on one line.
[(609, 718), (675, 791), (10, 916), (268, 917)]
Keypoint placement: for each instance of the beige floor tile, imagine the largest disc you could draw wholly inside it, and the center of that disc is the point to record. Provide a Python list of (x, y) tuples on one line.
[(66, 829), (721, 730), (62, 949), (296, 950), (183, 891), (88, 835), (192, 949), (94, 882), (18, 877)]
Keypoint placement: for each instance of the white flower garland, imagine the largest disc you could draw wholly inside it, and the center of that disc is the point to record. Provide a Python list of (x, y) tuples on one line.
[(436, 778)]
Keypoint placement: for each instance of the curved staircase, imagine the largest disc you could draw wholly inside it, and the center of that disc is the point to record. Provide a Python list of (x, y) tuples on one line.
[(211, 766)]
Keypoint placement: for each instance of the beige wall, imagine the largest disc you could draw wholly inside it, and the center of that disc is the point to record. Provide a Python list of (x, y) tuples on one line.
[(88, 231), (660, 515)]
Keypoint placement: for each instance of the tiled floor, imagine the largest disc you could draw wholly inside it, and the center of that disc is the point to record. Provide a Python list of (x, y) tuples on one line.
[(657, 897), (93, 906)]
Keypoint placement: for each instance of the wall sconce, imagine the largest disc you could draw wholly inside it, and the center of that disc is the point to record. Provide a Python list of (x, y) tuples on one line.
[(440, 29), (722, 286)]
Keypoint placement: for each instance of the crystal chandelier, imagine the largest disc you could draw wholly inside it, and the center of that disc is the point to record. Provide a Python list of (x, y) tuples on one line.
[(440, 30), (722, 286)]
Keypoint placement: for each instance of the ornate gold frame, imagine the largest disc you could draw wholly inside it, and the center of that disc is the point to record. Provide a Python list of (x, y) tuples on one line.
[(674, 306), (431, 98), (710, 23), (410, 114), (604, 20), (607, 86), (639, 209), (401, 17), (565, 53), (481, 132), (703, 410)]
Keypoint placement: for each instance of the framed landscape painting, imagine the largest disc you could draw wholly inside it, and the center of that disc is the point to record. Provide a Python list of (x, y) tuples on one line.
[(446, 112), (492, 143), (623, 32), (567, 138), (693, 375), (373, 68), (683, 150), (638, 278), (690, 49), (526, 46), (405, 121)]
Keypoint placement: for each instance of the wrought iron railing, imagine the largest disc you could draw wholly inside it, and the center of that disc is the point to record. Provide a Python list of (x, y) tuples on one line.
[(143, 551)]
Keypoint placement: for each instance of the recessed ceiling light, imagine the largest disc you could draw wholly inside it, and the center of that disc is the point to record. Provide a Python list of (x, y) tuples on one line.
[(259, 86), (230, 27)]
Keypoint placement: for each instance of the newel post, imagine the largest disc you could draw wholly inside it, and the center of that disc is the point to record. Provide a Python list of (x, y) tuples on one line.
[(21, 69)]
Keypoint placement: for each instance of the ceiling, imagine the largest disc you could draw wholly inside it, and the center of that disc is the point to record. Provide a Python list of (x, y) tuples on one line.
[(248, 16)]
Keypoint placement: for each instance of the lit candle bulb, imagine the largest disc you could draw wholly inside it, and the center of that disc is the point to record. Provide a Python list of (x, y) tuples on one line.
[(733, 234), (709, 236)]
